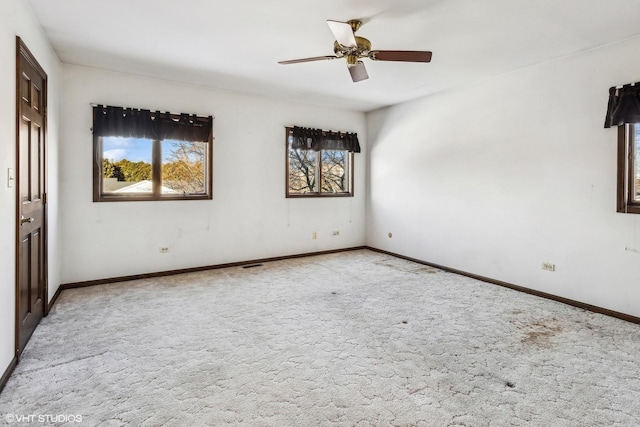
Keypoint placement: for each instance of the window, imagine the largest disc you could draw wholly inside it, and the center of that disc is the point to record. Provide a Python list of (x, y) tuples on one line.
[(629, 168), (319, 163), (143, 155)]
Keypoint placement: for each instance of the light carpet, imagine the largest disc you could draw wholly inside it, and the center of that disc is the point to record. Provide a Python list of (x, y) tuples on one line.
[(348, 339)]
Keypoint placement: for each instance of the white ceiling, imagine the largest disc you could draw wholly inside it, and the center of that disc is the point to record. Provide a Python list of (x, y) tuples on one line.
[(236, 45)]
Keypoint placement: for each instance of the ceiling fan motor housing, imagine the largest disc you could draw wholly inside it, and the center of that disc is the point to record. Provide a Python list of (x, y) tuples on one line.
[(360, 51)]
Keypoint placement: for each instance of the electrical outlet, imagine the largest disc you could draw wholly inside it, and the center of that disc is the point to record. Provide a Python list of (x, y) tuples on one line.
[(548, 266), (314, 236), (336, 233), (164, 249)]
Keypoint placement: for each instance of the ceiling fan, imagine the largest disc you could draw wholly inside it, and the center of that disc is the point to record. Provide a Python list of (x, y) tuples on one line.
[(352, 47)]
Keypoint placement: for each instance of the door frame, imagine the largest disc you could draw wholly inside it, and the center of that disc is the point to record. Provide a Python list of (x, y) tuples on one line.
[(24, 52)]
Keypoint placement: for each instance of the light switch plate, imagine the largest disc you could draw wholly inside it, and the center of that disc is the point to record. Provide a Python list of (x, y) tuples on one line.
[(11, 179)]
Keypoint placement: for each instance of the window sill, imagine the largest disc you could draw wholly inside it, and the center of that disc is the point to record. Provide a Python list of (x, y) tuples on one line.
[(317, 195), (138, 198), (630, 209)]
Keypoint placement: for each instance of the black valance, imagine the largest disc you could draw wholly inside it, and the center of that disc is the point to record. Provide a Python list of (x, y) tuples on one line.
[(156, 125), (319, 139), (624, 105)]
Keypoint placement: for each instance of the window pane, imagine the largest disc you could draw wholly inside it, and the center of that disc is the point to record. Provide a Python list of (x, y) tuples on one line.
[(183, 167), (334, 171), (302, 170), (636, 162), (126, 165)]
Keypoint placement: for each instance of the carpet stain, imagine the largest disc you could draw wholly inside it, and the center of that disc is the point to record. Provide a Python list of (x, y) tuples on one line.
[(409, 267), (540, 332), (386, 264), (429, 270)]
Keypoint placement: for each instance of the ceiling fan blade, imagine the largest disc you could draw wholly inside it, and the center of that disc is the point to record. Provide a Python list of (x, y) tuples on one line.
[(315, 58), (343, 33), (358, 72), (400, 55)]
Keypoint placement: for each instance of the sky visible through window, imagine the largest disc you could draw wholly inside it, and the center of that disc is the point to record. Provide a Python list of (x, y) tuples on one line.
[(132, 149)]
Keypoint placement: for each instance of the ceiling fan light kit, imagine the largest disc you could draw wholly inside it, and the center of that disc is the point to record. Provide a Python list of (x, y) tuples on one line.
[(353, 48)]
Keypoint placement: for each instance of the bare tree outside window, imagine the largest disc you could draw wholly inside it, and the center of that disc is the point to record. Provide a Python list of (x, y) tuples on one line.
[(318, 173), (302, 171), (636, 160), (183, 169), (334, 171)]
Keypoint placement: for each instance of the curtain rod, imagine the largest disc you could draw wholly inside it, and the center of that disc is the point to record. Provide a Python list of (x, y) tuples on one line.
[(323, 130), (628, 84), (93, 104)]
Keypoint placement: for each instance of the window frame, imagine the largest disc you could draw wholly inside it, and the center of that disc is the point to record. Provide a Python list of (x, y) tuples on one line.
[(319, 193), (626, 201), (156, 167)]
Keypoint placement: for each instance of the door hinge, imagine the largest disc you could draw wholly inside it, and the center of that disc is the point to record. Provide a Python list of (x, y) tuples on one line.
[(44, 198)]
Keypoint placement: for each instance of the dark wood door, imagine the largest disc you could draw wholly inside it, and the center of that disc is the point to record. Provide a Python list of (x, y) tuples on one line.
[(31, 292)]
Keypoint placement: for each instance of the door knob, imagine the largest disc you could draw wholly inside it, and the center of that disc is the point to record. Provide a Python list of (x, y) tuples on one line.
[(24, 220)]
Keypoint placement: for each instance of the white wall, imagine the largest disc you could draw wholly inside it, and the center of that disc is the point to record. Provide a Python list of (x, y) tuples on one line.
[(498, 177), (16, 19), (249, 216)]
